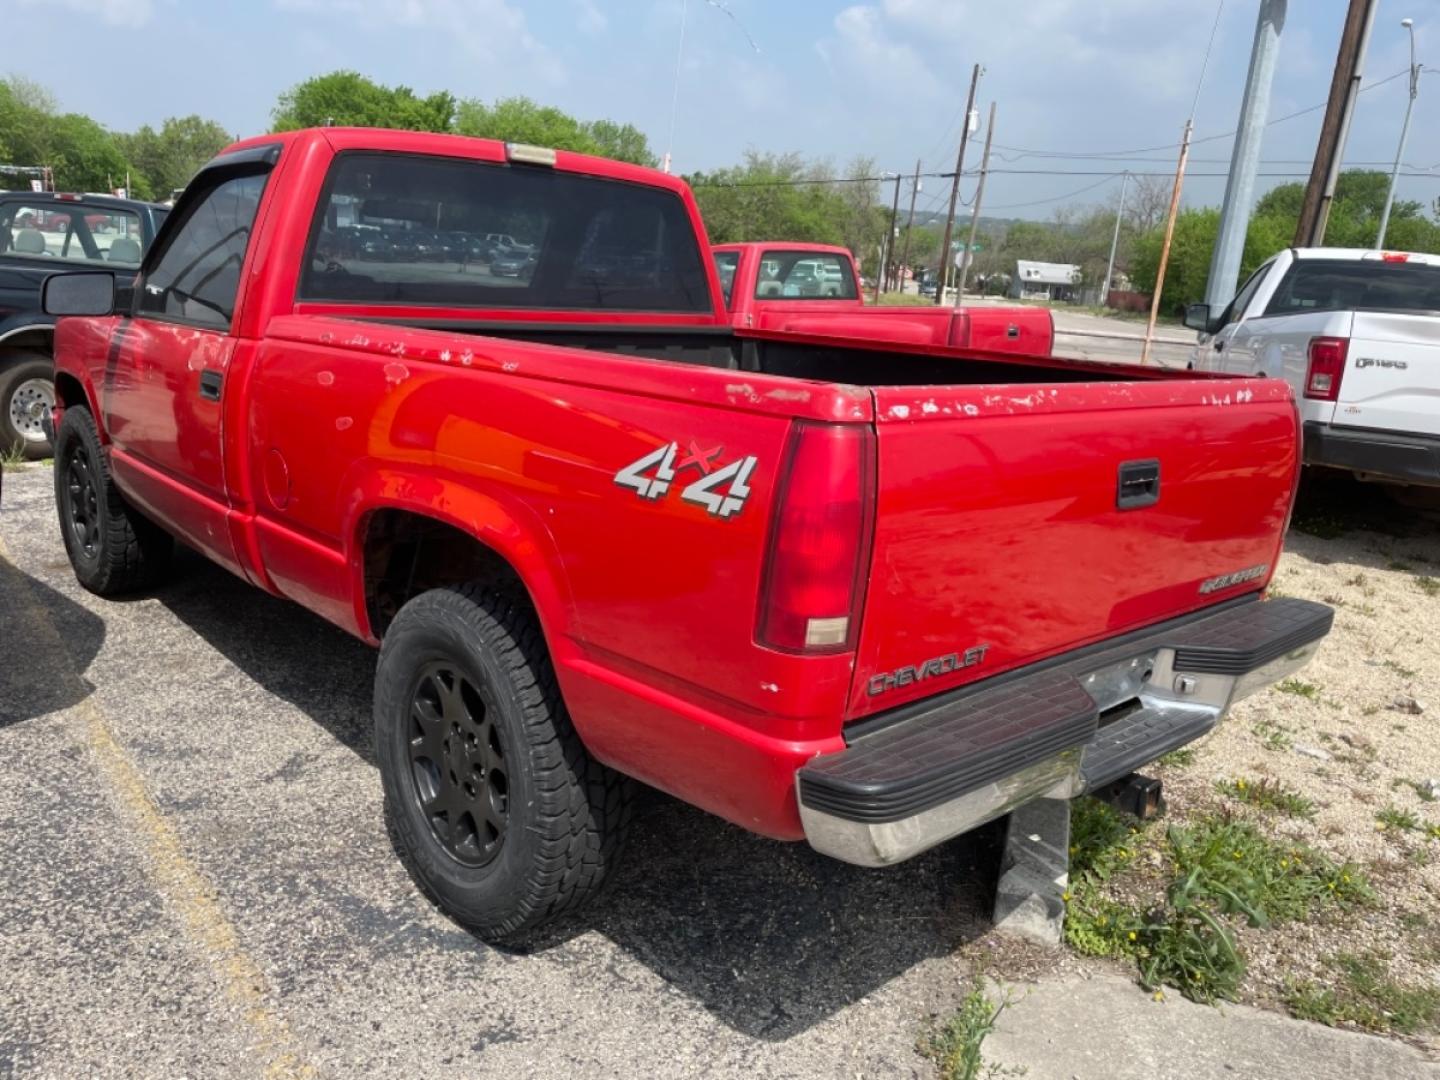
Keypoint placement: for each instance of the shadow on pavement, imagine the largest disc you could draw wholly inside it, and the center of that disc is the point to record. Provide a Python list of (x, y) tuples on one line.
[(771, 938), (38, 674)]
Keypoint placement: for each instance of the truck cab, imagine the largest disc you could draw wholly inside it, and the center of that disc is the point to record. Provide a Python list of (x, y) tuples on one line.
[(814, 289), (1357, 335), (41, 233)]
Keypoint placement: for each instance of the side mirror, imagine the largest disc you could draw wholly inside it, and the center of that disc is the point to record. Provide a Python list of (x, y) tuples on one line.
[(1197, 317), (81, 293)]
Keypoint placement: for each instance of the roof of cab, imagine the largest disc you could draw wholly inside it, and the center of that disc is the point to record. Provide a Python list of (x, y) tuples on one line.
[(389, 140)]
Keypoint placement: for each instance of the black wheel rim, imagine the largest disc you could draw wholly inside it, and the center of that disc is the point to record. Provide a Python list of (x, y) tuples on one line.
[(457, 764), (82, 503)]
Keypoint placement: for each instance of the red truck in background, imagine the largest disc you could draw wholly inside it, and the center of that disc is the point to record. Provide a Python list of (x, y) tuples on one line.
[(813, 289), (852, 593)]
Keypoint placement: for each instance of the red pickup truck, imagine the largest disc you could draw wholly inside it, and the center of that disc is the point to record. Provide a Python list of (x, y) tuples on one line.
[(812, 289), (852, 594)]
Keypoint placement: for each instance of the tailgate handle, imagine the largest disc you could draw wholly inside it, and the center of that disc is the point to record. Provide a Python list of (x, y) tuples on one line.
[(1139, 484), (1012, 331)]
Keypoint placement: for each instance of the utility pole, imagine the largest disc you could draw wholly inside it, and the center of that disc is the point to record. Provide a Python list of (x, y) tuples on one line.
[(894, 212), (975, 213), (1245, 157), (910, 224), (955, 188), (1114, 241), (1169, 235), (1409, 25), (1349, 61)]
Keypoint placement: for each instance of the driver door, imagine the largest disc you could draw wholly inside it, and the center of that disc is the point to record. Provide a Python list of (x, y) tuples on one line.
[(165, 384)]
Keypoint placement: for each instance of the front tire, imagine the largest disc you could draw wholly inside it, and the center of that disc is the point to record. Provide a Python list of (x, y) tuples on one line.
[(113, 548), (27, 393), (498, 812)]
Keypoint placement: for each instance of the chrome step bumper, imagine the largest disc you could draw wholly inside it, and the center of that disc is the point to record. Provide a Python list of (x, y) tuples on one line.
[(931, 771)]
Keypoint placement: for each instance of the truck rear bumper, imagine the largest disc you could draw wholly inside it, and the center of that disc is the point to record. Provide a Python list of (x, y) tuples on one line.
[(928, 772), (1413, 459)]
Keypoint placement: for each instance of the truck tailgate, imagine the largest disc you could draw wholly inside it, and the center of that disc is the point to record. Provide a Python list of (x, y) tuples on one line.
[(1392, 375), (999, 539)]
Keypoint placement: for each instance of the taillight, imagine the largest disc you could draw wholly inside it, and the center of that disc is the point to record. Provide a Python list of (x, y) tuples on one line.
[(819, 540), (1327, 367)]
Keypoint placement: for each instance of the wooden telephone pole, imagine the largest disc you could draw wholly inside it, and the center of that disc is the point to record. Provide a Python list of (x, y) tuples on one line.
[(910, 224), (1169, 235), (955, 189), (975, 213), (1349, 61)]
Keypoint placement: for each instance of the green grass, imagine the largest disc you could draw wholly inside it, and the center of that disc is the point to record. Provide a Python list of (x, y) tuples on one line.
[(1399, 669), (1267, 795), (13, 457), (1428, 585), (1179, 759), (1221, 869), (1362, 993), (1273, 736), (956, 1044), (1300, 688)]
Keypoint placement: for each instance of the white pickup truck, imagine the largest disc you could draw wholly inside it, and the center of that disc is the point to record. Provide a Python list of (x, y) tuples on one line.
[(1357, 335)]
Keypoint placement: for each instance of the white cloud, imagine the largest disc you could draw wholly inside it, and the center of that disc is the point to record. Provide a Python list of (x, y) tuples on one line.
[(489, 30), (591, 20), (113, 12)]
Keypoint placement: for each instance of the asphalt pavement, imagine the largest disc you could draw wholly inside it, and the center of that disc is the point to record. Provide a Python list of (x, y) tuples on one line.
[(197, 880)]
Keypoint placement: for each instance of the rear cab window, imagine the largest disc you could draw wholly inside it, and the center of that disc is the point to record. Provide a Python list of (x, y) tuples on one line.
[(1358, 285), (70, 231), (805, 275), (429, 231)]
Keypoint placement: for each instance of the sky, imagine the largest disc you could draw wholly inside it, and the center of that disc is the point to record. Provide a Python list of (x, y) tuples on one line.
[(884, 79)]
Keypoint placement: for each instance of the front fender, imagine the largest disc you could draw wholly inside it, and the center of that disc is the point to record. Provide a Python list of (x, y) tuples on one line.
[(503, 523)]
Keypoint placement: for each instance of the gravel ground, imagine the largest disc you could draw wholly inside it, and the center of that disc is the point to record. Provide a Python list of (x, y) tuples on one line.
[(1343, 735)]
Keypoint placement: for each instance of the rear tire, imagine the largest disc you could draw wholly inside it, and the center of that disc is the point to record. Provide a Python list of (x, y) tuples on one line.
[(496, 809), (113, 548), (27, 388)]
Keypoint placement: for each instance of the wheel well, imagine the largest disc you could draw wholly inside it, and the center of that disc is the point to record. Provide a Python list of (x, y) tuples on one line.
[(31, 339), (406, 554), (69, 392)]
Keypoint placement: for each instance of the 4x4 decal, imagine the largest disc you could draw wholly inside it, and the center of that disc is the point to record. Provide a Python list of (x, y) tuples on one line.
[(722, 490)]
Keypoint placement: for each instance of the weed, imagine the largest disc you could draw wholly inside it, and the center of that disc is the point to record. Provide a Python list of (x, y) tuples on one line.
[(1396, 564), (1267, 795), (1394, 819), (1258, 879), (1273, 736), (1300, 688), (1400, 669), (1179, 759), (1422, 790), (1189, 948), (1362, 993), (1102, 843), (1370, 710), (1414, 920), (1428, 585), (955, 1045), (13, 456)]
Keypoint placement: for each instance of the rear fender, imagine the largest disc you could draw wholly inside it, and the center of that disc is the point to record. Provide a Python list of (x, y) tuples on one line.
[(507, 527)]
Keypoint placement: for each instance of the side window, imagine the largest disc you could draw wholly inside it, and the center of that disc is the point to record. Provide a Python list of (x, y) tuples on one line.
[(1244, 296), (195, 278), (726, 263)]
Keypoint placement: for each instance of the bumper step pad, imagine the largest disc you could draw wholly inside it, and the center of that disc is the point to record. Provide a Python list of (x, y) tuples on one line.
[(937, 756), (932, 752)]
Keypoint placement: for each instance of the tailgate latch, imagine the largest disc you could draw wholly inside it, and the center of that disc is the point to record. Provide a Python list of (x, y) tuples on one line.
[(1138, 484)]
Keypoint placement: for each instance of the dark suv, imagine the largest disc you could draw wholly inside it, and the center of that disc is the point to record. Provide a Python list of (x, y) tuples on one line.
[(42, 233)]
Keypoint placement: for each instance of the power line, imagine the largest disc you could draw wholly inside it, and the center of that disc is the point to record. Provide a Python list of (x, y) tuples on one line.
[(1130, 154), (1057, 198)]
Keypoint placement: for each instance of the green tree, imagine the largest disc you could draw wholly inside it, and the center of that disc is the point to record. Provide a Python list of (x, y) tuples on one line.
[(349, 98), (773, 197), (83, 155), (168, 158), (623, 142)]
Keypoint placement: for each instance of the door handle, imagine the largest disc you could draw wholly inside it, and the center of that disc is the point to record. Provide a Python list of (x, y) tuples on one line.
[(210, 381)]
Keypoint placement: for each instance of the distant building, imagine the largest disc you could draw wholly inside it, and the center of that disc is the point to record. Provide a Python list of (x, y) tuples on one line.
[(1045, 281)]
